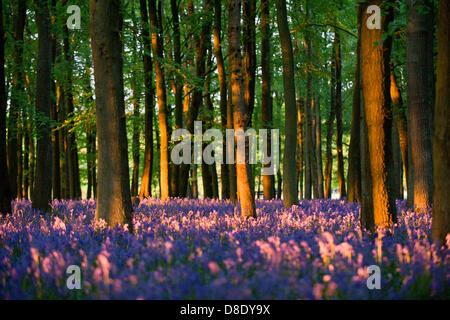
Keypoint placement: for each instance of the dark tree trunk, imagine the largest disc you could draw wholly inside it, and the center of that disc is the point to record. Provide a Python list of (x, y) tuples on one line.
[(330, 129), (217, 27), (290, 196), (114, 200), (354, 152), (56, 178), (42, 190), (441, 138), (5, 191), (249, 56), (146, 181), (377, 103), (419, 56), (318, 145), (16, 98), (266, 94)]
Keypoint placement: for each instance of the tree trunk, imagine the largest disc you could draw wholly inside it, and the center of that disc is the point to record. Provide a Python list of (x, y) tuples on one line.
[(5, 191), (114, 200), (135, 147), (238, 106), (249, 56), (42, 190), (318, 145), (266, 94), (290, 196), (157, 46), (354, 152), (375, 83), (217, 27), (419, 54), (300, 138), (146, 181), (441, 138), (339, 129), (330, 129), (16, 98)]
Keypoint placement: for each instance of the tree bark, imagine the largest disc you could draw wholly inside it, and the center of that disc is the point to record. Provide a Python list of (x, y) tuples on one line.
[(354, 152), (5, 189), (318, 145), (290, 196), (266, 93), (157, 46), (441, 134), (376, 83), (42, 190), (419, 56), (146, 181), (114, 200), (238, 106), (300, 138), (339, 129)]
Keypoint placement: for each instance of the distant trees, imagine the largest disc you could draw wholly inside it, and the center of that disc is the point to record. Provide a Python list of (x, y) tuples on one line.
[(114, 201)]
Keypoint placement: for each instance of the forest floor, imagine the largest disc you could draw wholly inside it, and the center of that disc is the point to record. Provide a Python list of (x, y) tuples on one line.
[(201, 249)]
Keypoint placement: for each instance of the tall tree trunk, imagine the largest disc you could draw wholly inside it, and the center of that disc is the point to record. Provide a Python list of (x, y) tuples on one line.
[(157, 46), (419, 56), (146, 181), (238, 106), (266, 94), (330, 129), (232, 166), (376, 83), (339, 129), (300, 138), (5, 191), (318, 144), (441, 134), (290, 196), (401, 123), (397, 160), (42, 190), (249, 56), (114, 200), (354, 152), (16, 98), (217, 27)]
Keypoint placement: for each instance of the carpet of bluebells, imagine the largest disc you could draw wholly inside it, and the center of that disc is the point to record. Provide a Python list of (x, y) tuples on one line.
[(201, 249)]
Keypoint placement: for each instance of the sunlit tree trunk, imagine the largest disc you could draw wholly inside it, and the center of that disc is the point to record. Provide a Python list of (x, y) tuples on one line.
[(238, 106), (5, 191), (375, 56), (42, 189), (419, 56), (290, 195), (441, 134), (146, 181), (300, 138), (354, 152), (114, 200), (157, 46)]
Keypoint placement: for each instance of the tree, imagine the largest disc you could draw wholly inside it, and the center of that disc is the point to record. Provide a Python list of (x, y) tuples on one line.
[(419, 56), (42, 190), (238, 106), (354, 153), (146, 181), (375, 55), (441, 134), (5, 191), (158, 49), (289, 158), (266, 94), (114, 201)]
